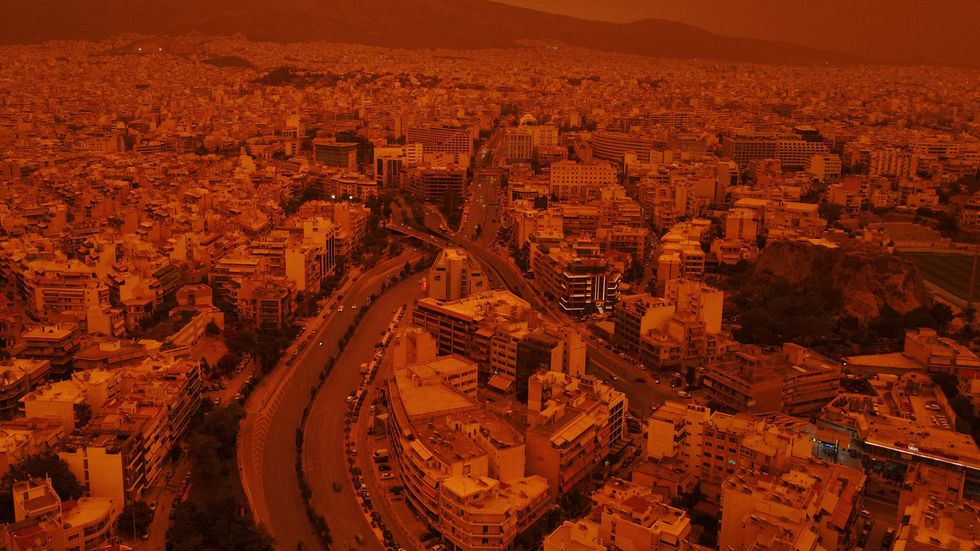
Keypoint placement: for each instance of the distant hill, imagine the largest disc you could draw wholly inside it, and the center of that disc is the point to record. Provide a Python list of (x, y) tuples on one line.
[(453, 24)]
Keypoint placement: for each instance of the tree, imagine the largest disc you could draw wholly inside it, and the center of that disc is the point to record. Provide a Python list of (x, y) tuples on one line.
[(135, 519), (830, 212), (83, 414), (42, 465)]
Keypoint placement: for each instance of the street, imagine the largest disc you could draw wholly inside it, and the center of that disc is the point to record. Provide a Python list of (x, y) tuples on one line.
[(323, 451), (267, 452)]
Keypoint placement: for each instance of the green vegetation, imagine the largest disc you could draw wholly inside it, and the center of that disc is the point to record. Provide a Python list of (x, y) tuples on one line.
[(229, 61), (948, 271), (291, 205), (212, 517), (265, 345), (770, 311), (46, 464), (452, 208), (966, 418), (134, 520)]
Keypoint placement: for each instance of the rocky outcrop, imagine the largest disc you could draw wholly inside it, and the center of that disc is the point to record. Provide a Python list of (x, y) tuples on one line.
[(867, 279)]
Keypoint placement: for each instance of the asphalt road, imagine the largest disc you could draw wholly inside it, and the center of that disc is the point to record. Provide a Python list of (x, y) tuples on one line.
[(323, 450), (267, 452)]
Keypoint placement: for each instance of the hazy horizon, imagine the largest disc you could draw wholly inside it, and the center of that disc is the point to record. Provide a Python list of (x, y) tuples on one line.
[(874, 29)]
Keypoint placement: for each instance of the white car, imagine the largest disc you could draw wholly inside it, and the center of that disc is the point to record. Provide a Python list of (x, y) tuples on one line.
[(340, 308)]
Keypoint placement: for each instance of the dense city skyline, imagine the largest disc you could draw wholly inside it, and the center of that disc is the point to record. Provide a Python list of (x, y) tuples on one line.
[(404, 275)]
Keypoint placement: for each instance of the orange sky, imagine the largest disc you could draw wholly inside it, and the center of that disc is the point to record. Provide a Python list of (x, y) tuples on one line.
[(903, 31)]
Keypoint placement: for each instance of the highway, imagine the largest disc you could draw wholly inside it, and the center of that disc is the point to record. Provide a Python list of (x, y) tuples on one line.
[(266, 448), (623, 374), (323, 450)]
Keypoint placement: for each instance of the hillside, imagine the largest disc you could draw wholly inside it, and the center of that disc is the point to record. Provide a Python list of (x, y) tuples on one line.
[(837, 301), (868, 281), (454, 24)]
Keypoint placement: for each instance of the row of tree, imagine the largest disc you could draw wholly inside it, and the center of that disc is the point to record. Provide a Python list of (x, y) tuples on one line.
[(216, 516)]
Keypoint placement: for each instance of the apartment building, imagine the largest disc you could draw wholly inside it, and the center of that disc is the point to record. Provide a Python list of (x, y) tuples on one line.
[(631, 516), (455, 275), (573, 424), (18, 376), (44, 521), (709, 446), (434, 139), (795, 380), (571, 180), (811, 502), (22, 437), (55, 343), (462, 466), (266, 302), (68, 292), (933, 511), (579, 285), (457, 324), (335, 154), (435, 184), (635, 316)]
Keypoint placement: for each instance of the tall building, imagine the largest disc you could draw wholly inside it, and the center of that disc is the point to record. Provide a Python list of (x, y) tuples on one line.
[(635, 316), (613, 146), (442, 140), (454, 275), (579, 285), (462, 466), (435, 184), (335, 154), (743, 148), (478, 327), (573, 425), (571, 180), (55, 343)]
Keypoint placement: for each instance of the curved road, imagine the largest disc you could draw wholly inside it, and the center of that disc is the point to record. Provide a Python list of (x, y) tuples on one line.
[(323, 451), (267, 449)]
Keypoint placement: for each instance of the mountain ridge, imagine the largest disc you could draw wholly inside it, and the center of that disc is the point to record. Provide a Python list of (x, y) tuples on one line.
[(411, 24)]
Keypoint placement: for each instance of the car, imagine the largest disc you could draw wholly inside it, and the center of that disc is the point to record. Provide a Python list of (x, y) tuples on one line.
[(657, 380), (335, 486), (153, 505), (145, 536), (384, 468), (613, 377), (387, 476), (354, 307), (321, 343), (340, 308), (683, 394), (170, 474)]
